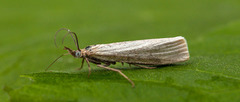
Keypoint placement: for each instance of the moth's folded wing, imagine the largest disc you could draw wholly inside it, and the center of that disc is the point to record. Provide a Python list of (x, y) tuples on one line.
[(151, 52)]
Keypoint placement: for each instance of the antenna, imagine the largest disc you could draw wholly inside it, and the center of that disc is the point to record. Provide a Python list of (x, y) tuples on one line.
[(55, 61), (76, 43), (69, 32)]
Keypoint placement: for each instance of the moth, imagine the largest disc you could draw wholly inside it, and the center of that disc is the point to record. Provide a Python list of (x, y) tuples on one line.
[(142, 53)]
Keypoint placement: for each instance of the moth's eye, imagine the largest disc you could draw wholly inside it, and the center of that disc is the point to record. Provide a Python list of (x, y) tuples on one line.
[(78, 54)]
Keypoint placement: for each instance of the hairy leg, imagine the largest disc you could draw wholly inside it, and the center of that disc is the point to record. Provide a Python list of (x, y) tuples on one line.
[(116, 70)]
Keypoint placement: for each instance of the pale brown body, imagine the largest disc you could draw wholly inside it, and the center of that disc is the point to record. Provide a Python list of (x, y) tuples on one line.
[(157, 52)]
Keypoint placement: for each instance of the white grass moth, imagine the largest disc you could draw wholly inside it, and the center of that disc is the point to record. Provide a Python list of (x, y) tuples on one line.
[(142, 53)]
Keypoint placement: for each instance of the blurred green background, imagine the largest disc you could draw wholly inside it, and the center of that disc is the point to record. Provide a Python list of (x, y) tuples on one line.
[(27, 28)]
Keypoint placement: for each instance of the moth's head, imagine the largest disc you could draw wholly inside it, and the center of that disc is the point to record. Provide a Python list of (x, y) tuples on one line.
[(74, 53)]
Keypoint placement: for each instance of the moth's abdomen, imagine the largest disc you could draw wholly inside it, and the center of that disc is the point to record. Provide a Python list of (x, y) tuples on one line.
[(150, 52)]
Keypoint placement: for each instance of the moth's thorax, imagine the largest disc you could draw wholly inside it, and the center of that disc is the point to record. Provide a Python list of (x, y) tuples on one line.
[(85, 52)]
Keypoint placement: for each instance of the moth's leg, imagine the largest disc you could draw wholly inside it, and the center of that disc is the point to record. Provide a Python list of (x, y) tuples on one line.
[(89, 68), (116, 70), (122, 63), (129, 65), (144, 66), (81, 65)]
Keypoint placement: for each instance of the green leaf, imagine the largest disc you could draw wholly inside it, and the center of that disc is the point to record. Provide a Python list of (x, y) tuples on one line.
[(210, 27)]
